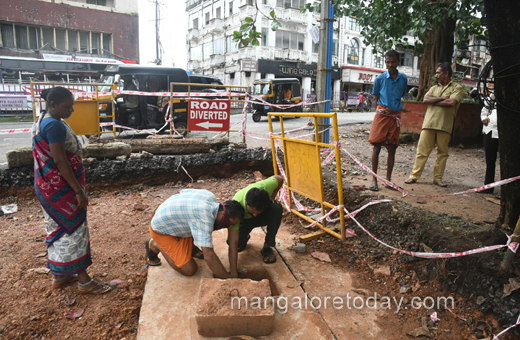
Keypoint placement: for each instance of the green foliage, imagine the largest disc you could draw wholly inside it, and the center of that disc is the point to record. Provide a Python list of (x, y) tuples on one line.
[(248, 35), (384, 23)]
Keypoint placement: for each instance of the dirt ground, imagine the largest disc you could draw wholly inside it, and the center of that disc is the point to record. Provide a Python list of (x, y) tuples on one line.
[(118, 221)]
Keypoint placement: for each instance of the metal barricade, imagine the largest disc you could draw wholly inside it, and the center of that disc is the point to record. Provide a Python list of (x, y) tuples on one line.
[(303, 167)]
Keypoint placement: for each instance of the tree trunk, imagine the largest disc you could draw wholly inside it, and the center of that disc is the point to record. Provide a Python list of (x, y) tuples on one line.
[(502, 18), (438, 48)]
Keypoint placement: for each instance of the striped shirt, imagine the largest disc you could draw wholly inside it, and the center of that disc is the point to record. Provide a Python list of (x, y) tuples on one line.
[(192, 212)]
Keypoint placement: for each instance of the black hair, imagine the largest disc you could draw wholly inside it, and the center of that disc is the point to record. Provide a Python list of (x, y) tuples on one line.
[(44, 94), (392, 53), (445, 67), (235, 209), (257, 198), (58, 95)]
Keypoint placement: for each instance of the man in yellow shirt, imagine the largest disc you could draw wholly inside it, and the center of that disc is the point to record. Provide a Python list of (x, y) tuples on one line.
[(443, 102)]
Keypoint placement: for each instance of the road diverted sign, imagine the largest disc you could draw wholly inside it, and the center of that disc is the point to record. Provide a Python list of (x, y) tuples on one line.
[(209, 115)]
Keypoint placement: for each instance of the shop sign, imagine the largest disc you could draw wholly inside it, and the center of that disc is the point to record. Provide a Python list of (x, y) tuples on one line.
[(248, 65), (359, 76), (413, 81)]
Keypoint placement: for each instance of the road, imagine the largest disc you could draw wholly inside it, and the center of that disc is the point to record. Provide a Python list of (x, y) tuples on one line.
[(22, 140)]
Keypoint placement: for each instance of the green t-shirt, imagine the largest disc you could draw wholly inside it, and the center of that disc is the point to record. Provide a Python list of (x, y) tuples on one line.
[(268, 185)]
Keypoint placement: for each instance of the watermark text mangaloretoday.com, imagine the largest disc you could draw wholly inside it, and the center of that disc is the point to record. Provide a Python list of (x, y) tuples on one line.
[(283, 303)]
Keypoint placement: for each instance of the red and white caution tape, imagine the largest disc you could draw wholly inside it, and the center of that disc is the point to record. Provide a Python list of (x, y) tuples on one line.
[(460, 317), (434, 317), (495, 337), (5, 132), (406, 193)]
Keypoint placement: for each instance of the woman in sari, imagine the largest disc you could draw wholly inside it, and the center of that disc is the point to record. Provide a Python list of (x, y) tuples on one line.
[(59, 182)]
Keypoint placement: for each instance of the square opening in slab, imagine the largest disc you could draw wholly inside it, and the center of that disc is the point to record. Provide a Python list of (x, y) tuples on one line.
[(259, 275)]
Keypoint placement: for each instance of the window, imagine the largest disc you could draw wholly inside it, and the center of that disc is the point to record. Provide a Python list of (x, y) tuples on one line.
[(264, 2), (7, 35), (230, 7), (195, 24), (97, 2), (60, 39), (34, 37), (315, 47), (84, 41), (207, 49), (232, 75), (265, 31), (218, 46), (353, 52), (378, 62), (196, 53), (286, 39), (249, 2), (353, 24), (217, 13), (247, 74), (363, 57), (406, 59), (334, 46), (207, 18), (96, 43), (231, 46), (48, 36), (297, 4), (21, 37), (107, 44), (73, 41)]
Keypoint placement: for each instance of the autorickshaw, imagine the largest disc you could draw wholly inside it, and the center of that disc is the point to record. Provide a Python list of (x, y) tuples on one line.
[(285, 91), (145, 112)]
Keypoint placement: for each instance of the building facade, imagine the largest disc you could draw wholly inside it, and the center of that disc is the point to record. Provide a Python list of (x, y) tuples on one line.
[(288, 52), (72, 28)]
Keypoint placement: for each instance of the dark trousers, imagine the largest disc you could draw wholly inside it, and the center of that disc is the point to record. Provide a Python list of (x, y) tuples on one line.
[(270, 217), (491, 150)]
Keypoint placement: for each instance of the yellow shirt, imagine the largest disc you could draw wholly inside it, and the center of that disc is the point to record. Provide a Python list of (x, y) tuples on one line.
[(441, 117)]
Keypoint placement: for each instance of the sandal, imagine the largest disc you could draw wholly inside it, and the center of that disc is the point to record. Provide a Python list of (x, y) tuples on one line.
[(58, 283), (151, 257), (197, 253), (98, 289), (410, 181), (269, 256), (374, 186)]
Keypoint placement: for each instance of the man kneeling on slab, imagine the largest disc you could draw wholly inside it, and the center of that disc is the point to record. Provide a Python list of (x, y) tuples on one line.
[(186, 221)]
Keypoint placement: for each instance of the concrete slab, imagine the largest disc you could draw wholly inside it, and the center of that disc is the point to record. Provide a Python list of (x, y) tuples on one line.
[(170, 299), (323, 280)]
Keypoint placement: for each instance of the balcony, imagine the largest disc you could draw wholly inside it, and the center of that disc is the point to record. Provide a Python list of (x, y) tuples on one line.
[(215, 26), (217, 60), (193, 34), (293, 16), (246, 11)]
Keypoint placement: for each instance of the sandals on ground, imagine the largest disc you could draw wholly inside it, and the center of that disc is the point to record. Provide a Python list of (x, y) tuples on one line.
[(197, 253), (269, 256), (410, 181), (151, 257), (98, 289), (374, 186), (58, 283)]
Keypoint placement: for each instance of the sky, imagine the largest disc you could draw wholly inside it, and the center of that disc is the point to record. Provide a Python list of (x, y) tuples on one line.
[(173, 27)]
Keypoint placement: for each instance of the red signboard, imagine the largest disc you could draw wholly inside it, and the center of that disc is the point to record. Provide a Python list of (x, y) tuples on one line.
[(209, 115)]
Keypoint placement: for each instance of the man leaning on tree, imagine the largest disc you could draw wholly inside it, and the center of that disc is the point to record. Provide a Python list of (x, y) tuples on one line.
[(443, 102)]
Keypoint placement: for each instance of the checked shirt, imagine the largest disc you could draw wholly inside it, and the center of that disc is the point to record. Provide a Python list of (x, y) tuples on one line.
[(192, 212)]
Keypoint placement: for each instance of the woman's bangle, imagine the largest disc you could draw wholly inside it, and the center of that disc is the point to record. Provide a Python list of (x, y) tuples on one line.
[(78, 192)]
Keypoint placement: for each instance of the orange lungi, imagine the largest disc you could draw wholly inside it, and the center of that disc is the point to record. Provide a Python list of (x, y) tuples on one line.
[(178, 248), (385, 127)]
